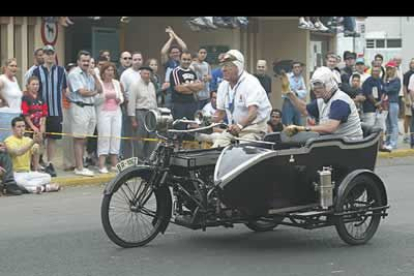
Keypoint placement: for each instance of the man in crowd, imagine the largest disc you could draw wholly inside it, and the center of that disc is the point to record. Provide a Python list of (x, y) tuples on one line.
[(128, 77), (21, 149), (170, 58), (142, 98), (52, 87), (126, 61), (408, 103), (291, 114), (216, 75), (331, 61), (38, 60), (184, 85), (347, 71), (203, 71), (263, 78), (84, 86)]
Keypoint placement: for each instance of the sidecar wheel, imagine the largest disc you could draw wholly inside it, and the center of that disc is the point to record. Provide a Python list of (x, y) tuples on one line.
[(263, 225), (361, 193), (134, 213)]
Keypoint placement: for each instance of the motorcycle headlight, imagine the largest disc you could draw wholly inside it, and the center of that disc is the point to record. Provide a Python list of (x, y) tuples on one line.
[(158, 119)]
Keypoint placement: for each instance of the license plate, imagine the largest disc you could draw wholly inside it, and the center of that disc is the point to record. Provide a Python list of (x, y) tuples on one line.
[(124, 164)]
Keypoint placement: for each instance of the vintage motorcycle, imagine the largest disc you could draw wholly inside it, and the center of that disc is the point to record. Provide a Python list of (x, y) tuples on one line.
[(325, 181)]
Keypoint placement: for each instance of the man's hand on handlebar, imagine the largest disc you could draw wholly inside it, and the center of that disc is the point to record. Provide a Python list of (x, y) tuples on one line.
[(234, 129)]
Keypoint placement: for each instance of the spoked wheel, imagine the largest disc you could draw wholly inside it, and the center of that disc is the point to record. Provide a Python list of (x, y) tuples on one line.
[(134, 213), (358, 228), (264, 225)]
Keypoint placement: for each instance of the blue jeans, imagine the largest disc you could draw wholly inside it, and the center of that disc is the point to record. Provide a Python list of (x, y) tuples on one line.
[(290, 115), (392, 125)]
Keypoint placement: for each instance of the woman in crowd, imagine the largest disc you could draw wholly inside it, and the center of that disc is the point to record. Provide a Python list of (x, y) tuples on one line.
[(10, 97), (156, 80), (109, 117)]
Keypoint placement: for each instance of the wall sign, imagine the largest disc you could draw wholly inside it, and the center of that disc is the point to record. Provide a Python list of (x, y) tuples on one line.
[(49, 33)]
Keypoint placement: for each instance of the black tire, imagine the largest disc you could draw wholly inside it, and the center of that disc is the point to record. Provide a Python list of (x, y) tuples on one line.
[(360, 193), (142, 227), (261, 225)]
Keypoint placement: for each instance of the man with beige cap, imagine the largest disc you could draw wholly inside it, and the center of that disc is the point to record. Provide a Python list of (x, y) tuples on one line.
[(241, 96)]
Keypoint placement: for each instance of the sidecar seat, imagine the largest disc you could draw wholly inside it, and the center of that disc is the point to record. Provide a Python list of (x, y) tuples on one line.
[(369, 133)]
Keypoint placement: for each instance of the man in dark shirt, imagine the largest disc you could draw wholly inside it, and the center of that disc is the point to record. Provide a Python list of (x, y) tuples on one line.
[(184, 86), (372, 90), (264, 79), (347, 72)]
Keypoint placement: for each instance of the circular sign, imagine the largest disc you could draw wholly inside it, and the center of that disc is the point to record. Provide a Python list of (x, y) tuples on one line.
[(49, 33)]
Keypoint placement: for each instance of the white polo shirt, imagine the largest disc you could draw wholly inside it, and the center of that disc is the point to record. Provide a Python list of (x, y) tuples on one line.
[(247, 92)]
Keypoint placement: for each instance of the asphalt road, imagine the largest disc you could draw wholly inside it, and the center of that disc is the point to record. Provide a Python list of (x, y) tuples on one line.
[(61, 234)]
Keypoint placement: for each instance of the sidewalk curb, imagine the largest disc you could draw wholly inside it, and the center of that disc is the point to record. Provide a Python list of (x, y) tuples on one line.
[(83, 180), (396, 153)]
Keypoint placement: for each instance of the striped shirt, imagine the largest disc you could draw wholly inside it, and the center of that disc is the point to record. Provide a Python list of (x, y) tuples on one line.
[(28, 74), (52, 83)]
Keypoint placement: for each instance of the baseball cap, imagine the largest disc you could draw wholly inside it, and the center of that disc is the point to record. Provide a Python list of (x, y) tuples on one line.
[(391, 63), (360, 60), (48, 48)]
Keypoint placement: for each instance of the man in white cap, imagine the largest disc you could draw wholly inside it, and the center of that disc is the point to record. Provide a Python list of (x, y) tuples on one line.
[(241, 96), (336, 111)]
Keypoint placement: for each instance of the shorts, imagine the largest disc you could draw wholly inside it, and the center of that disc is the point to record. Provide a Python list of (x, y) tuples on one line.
[(54, 124), (83, 120)]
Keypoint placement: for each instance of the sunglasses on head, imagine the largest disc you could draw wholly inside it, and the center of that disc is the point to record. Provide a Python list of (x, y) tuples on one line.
[(228, 58)]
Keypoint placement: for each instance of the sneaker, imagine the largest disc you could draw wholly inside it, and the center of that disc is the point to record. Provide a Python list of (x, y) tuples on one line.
[(13, 189), (320, 27), (50, 170), (388, 148), (103, 170), (311, 26), (52, 187), (303, 24), (113, 169), (84, 172)]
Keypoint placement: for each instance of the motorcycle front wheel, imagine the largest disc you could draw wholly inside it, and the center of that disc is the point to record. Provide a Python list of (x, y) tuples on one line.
[(134, 212)]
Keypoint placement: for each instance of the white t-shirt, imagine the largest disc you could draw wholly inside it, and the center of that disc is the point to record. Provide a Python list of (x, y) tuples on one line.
[(247, 92), (209, 109), (12, 94), (127, 78), (411, 83)]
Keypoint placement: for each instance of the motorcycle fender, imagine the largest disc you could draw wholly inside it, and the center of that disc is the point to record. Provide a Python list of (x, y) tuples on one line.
[(345, 182), (140, 170)]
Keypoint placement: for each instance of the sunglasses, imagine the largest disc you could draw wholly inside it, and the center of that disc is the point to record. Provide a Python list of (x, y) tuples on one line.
[(127, 58), (228, 58)]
